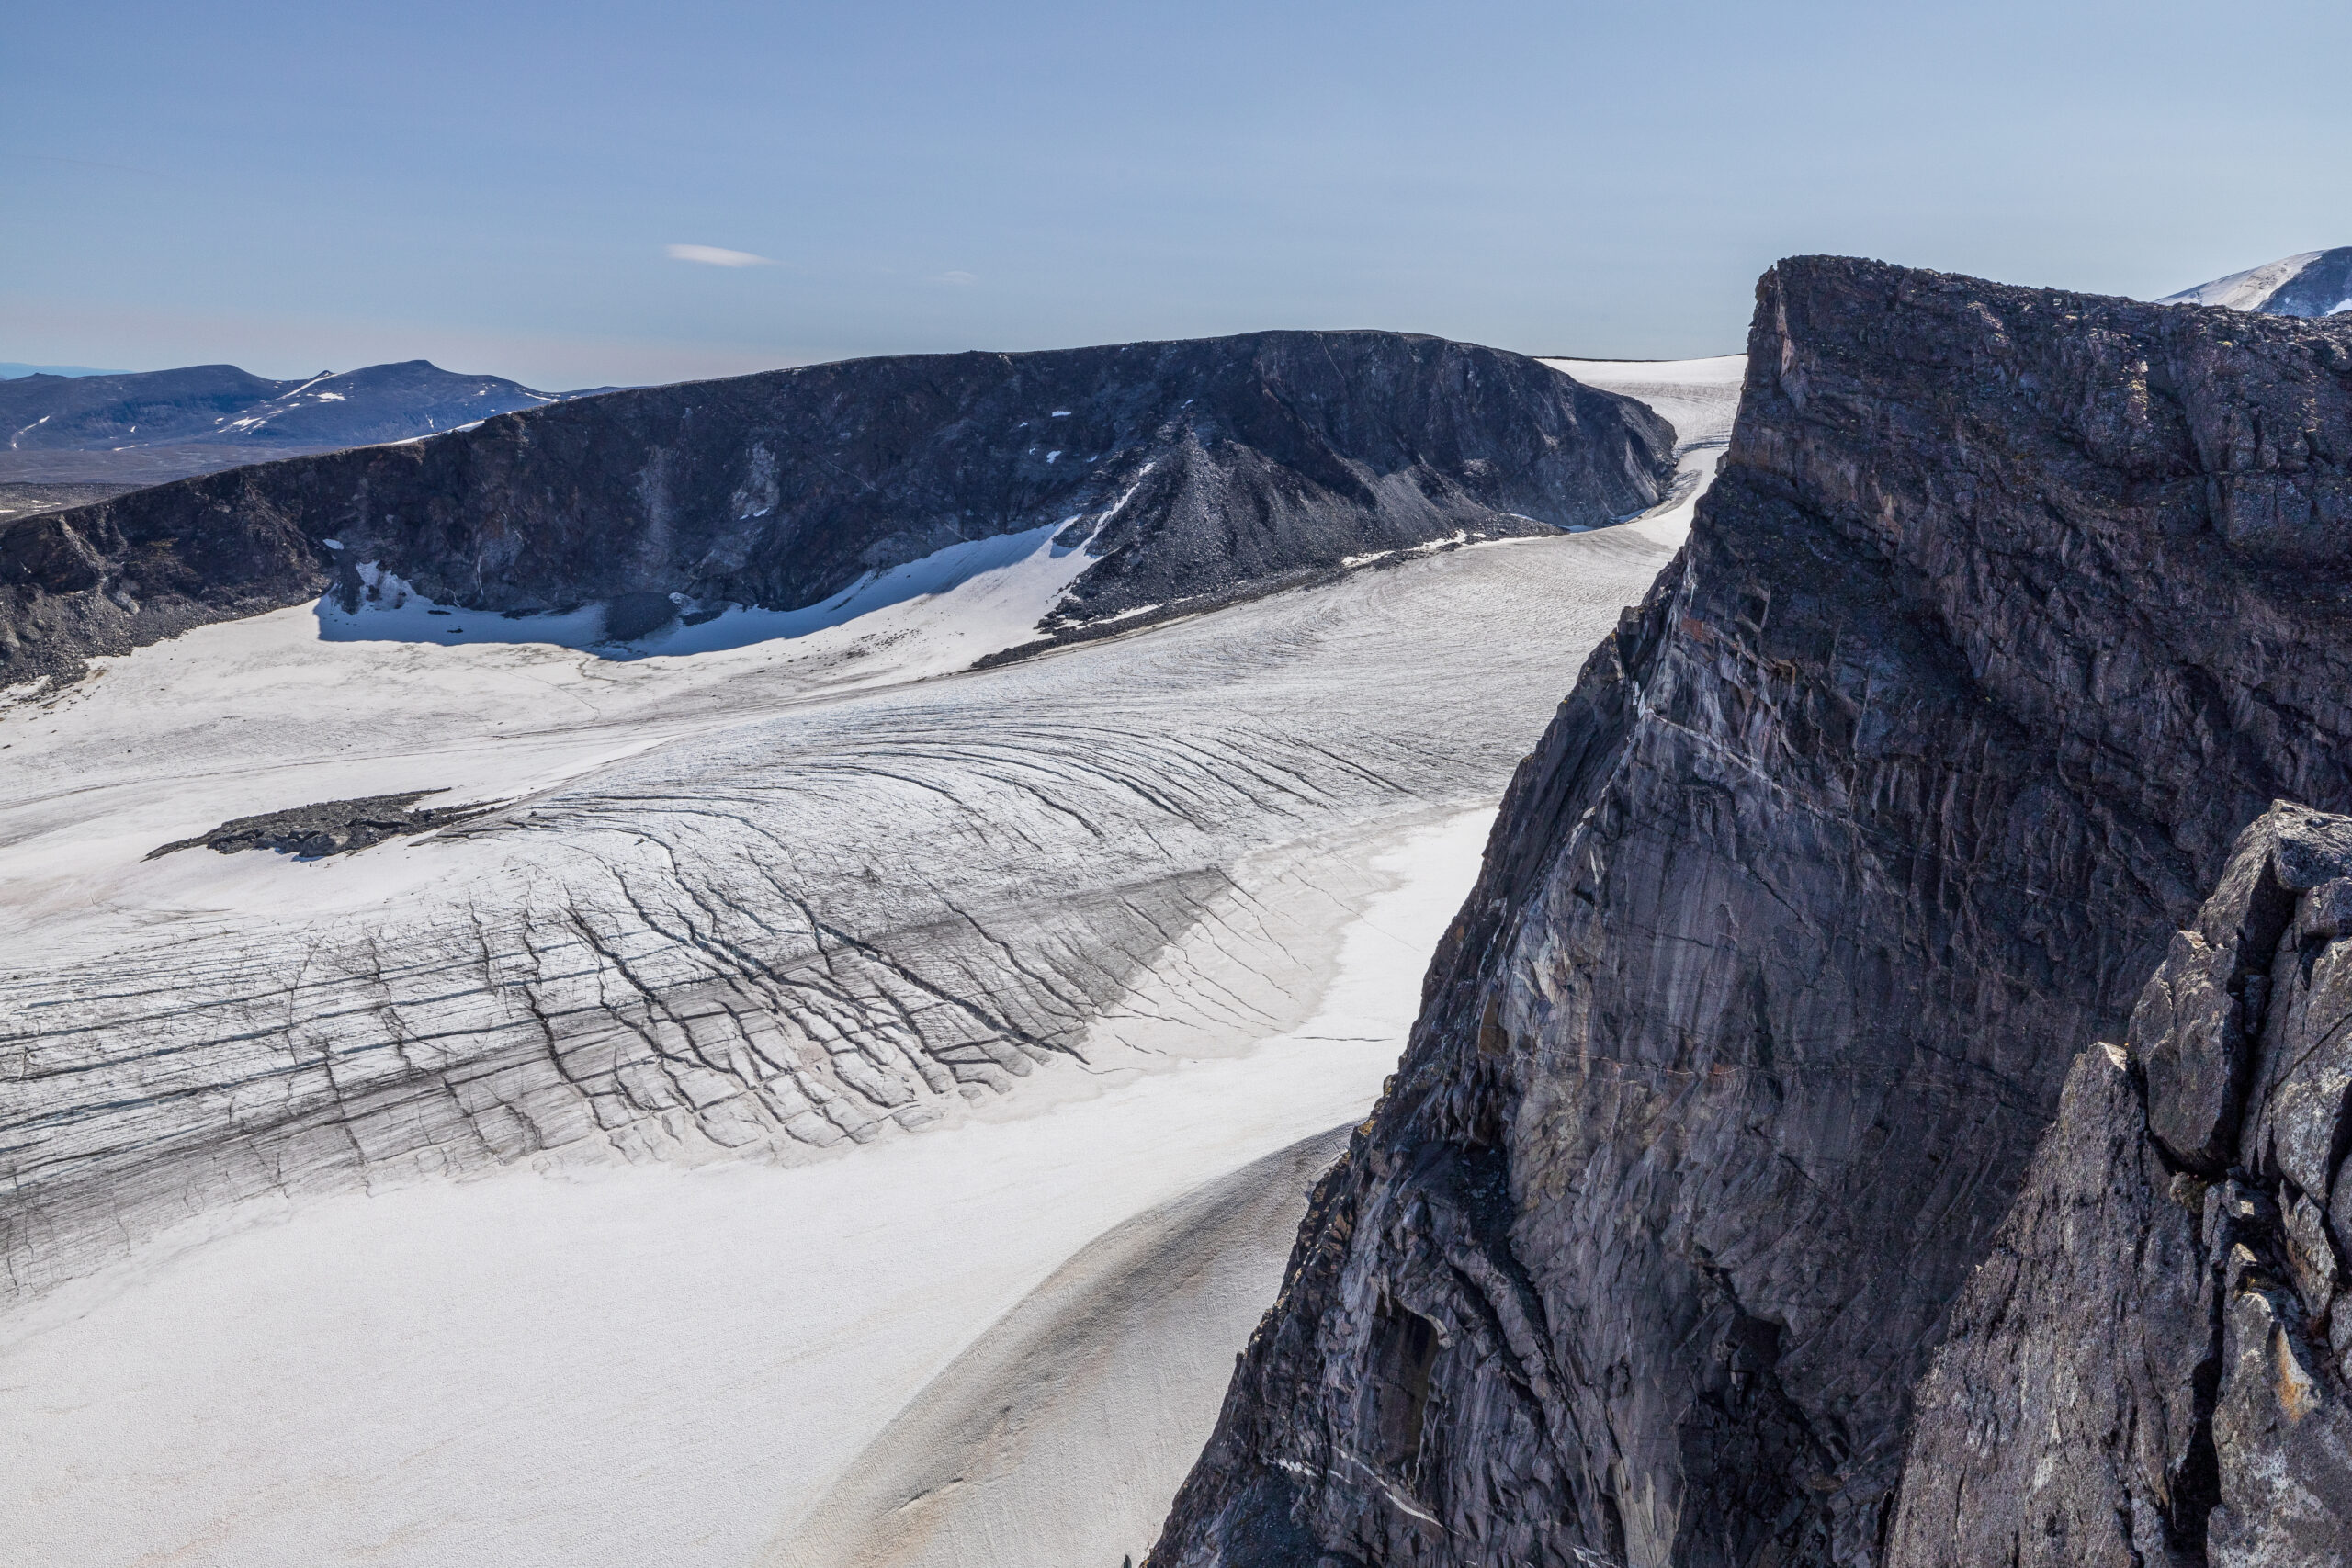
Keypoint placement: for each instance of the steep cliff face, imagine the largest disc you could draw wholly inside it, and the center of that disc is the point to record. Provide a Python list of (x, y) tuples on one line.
[(1194, 470), (2007, 610), (2148, 1370)]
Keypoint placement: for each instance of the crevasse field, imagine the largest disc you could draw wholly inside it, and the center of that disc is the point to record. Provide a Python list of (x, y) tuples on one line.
[(840, 1108)]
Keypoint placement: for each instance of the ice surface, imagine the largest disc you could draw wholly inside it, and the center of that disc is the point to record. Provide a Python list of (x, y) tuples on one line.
[(753, 905), (1699, 396)]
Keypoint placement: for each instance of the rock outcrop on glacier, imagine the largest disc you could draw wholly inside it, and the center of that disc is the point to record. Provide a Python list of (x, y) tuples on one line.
[(1190, 471), (2150, 1367), (327, 826), (2314, 283), (2007, 610)]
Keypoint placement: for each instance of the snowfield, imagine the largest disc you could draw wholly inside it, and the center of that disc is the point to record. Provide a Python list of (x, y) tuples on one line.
[(2310, 283), (1697, 397), (944, 611), (2245, 291), (840, 1108)]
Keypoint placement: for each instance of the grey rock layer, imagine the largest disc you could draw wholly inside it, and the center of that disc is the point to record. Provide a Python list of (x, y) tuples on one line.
[(19, 500), (2148, 1369), (2007, 610), (1196, 467)]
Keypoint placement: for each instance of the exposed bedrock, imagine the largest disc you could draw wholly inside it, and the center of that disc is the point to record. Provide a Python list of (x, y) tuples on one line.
[(1194, 468), (2008, 610), (328, 826), (2148, 1370)]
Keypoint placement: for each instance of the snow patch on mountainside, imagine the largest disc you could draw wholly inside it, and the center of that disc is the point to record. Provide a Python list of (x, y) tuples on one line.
[(2245, 290), (2311, 283), (942, 612)]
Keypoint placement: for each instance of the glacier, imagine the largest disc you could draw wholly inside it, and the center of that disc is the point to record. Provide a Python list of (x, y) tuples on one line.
[(681, 1158)]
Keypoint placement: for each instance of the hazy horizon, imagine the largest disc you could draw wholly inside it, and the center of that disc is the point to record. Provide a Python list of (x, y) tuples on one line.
[(597, 194)]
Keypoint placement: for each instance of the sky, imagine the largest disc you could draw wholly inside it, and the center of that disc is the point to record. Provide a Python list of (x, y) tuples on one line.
[(587, 193)]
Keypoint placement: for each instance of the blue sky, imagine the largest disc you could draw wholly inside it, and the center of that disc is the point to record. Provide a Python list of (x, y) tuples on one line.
[(497, 186)]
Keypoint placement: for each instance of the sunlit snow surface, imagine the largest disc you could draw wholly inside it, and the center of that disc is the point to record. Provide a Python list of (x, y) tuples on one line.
[(952, 606), (2245, 290), (663, 1168), (1697, 397)]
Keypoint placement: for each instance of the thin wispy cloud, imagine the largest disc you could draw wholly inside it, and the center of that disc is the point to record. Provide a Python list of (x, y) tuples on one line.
[(714, 255), (956, 277), (90, 163)]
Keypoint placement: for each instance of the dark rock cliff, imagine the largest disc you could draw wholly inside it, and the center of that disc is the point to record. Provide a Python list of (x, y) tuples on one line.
[(1198, 469), (2149, 1369), (2007, 610)]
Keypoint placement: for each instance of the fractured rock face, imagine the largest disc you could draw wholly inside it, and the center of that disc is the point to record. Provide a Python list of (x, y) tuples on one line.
[(2148, 1370), (2008, 609), (1192, 471)]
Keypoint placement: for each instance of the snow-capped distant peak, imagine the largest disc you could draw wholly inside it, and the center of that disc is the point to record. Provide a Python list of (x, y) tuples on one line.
[(2313, 283)]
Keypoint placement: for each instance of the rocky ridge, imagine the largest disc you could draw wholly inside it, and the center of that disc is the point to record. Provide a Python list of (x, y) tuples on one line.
[(2007, 612), (1189, 471)]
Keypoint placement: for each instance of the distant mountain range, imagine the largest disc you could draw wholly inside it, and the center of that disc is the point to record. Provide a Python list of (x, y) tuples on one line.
[(2316, 283), (150, 427)]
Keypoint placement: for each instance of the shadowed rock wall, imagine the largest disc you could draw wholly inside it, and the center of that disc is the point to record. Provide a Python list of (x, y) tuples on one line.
[(2007, 610)]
